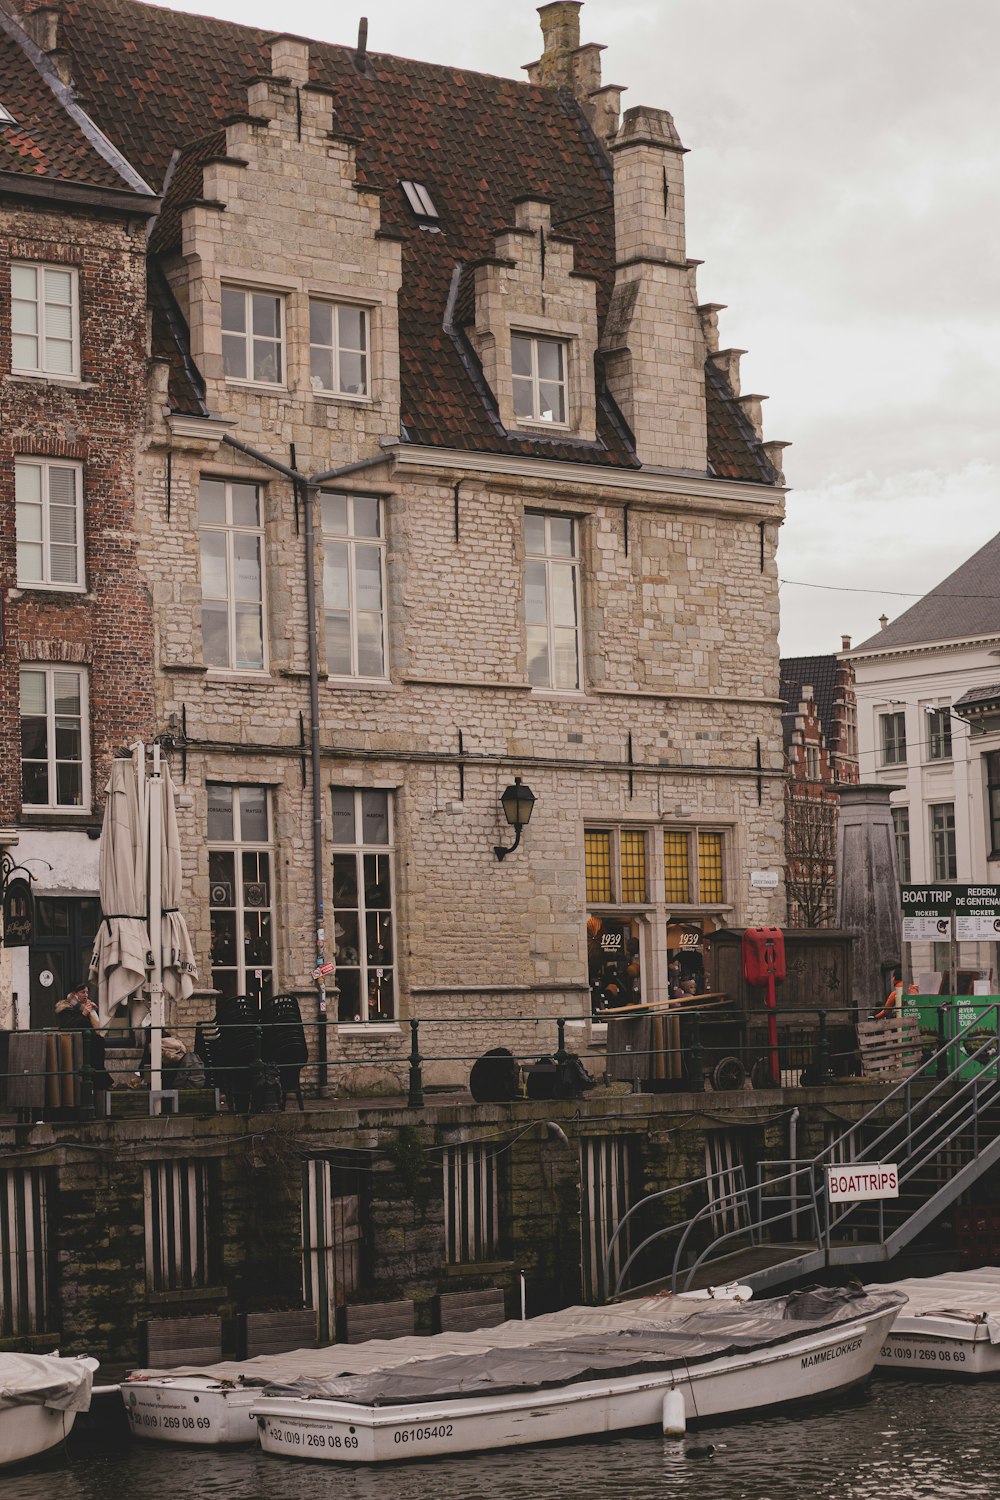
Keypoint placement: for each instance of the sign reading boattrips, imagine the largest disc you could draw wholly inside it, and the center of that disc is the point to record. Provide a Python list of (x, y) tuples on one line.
[(855, 1183), (928, 910)]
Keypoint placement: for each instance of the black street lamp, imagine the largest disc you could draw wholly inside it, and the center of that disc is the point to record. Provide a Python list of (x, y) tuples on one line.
[(517, 803)]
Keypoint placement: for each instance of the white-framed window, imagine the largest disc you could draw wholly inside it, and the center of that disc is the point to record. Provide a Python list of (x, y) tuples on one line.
[(253, 336), (538, 369), (420, 201), (892, 733), (240, 861), (812, 762), (339, 346), (55, 759), (24, 1263), (901, 830), (364, 944), (650, 891), (552, 601), (354, 584), (944, 855), (939, 734), (471, 1183), (49, 508), (232, 574), (45, 321), (176, 1201)]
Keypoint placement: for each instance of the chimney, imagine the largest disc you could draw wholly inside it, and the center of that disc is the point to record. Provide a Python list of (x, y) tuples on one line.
[(654, 339), (43, 23), (561, 36), (883, 621), (845, 643), (564, 64), (289, 58)]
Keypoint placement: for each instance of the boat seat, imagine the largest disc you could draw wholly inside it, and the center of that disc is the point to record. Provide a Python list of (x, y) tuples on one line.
[(374, 1320), (181, 1341), (276, 1332), (460, 1312)]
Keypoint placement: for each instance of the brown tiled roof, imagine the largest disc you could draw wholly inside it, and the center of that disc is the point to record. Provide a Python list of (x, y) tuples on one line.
[(45, 141), (158, 81)]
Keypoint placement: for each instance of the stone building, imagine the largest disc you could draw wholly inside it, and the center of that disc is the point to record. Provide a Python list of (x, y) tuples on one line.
[(76, 665), (820, 734), (444, 481)]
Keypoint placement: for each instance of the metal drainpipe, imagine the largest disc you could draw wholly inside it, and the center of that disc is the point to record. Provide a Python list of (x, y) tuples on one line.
[(311, 486)]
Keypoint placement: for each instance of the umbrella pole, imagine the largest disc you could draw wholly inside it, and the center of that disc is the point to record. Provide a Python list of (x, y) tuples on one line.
[(154, 803)]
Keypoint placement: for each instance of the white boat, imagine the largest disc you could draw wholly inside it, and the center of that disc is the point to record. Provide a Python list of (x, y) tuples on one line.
[(949, 1326), (40, 1395), (211, 1406), (718, 1360)]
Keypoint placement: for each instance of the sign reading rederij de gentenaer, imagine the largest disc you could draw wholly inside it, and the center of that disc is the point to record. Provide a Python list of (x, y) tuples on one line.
[(928, 910)]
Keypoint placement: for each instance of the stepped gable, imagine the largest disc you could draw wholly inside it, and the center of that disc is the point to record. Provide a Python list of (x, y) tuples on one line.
[(48, 139), (817, 672), (963, 606), (158, 82)]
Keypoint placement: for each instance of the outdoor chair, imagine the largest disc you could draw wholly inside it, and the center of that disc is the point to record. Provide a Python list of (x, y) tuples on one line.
[(237, 1018), (284, 1043)]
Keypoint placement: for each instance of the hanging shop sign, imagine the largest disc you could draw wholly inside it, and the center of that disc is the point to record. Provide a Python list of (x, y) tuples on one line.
[(928, 910), (18, 914)]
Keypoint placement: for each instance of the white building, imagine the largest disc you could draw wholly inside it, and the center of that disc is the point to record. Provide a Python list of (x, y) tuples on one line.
[(929, 723)]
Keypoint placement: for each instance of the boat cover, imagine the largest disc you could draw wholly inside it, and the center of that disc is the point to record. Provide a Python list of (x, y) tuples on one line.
[(712, 1331), (967, 1296), (378, 1354), (46, 1380)]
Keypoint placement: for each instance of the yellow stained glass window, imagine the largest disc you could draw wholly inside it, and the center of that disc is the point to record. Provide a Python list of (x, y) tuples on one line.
[(675, 865), (633, 852), (710, 868), (597, 862)]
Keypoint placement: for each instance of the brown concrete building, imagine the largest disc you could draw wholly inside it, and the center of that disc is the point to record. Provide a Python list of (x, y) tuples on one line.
[(444, 481)]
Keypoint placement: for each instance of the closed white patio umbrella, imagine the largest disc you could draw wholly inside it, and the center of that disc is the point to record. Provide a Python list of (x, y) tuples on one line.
[(120, 960), (177, 956)]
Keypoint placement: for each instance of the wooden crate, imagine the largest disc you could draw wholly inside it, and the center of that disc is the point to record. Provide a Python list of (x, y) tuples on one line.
[(889, 1048)]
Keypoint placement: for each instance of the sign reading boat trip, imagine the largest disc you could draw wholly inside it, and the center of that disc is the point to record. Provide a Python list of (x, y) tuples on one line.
[(856, 1183), (928, 910)]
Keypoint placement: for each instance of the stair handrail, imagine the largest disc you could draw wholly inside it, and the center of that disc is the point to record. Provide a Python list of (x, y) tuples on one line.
[(816, 1177), (681, 1187)]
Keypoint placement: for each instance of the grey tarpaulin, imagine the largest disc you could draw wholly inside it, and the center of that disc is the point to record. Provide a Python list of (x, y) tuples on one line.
[(46, 1380), (707, 1333)]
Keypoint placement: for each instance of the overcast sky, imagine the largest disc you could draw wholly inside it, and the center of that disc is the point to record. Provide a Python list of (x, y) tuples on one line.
[(842, 192)]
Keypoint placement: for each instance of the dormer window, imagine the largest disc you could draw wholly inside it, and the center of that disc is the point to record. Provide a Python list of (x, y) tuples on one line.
[(538, 370), (420, 201), (6, 118)]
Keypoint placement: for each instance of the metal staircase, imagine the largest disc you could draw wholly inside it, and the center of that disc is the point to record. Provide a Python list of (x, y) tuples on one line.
[(940, 1126)]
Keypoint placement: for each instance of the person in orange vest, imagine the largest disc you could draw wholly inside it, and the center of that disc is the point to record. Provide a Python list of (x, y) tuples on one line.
[(894, 1000)]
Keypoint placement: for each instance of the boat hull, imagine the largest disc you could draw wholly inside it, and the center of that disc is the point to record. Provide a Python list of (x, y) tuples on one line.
[(341, 1432), (28, 1432), (189, 1409), (943, 1347)]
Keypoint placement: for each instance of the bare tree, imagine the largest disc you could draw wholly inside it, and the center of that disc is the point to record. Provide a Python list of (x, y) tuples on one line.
[(811, 855)]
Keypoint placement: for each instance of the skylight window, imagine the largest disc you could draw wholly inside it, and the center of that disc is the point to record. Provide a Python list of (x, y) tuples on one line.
[(419, 200), (6, 118)]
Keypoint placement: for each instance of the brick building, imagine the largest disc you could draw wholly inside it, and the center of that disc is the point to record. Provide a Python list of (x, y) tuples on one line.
[(76, 665), (443, 481), (820, 735)]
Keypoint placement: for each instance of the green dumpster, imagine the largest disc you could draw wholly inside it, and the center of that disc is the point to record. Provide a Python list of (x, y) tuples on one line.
[(977, 1012)]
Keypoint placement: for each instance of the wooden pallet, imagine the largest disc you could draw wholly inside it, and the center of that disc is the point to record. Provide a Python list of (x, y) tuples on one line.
[(181, 1341), (277, 1332), (889, 1048), (374, 1320), (458, 1312)]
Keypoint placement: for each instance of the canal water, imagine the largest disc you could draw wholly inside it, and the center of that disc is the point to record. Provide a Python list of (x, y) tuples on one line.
[(900, 1440)]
